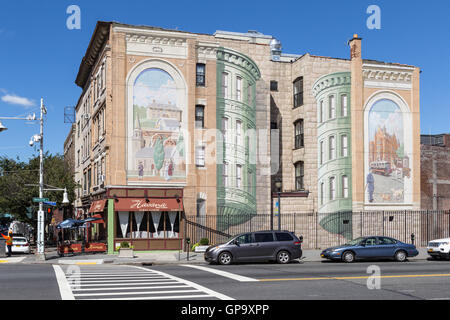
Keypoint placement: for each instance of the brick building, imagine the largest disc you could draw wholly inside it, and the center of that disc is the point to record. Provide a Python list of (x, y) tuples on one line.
[(172, 123), (435, 172)]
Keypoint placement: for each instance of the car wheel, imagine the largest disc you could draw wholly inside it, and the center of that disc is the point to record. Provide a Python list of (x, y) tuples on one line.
[(348, 256), (400, 256), (225, 258), (283, 257)]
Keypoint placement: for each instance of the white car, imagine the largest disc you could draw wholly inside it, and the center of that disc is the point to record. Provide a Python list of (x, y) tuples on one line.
[(439, 248), (20, 245)]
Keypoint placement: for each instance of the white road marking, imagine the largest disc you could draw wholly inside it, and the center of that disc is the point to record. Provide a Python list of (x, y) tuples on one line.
[(190, 283), (11, 260), (158, 298), (126, 284), (133, 293), (64, 288), (133, 288), (81, 262), (222, 273)]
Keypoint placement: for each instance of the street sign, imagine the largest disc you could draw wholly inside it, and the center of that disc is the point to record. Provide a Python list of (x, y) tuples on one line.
[(50, 203), (40, 199)]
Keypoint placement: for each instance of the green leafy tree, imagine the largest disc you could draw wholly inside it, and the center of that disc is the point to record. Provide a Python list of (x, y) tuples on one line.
[(16, 178), (158, 154)]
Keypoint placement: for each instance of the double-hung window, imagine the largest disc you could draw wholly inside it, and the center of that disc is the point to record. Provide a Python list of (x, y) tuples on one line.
[(299, 173), (344, 105), (200, 75), (344, 145), (332, 107), (332, 188), (238, 88), (298, 128), (200, 156), (225, 85), (238, 176), (298, 92), (332, 148), (199, 117)]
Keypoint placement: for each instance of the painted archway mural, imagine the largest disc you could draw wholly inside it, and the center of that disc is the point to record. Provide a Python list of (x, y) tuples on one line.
[(156, 123), (388, 153)]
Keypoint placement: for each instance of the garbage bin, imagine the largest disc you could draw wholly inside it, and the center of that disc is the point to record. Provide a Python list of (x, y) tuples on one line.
[(2, 248)]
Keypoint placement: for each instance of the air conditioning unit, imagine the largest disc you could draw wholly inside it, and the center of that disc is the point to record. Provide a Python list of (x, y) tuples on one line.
[(86, 116)]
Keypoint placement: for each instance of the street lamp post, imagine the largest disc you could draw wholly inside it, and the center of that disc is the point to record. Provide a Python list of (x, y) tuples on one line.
[(36, 138), (278, 186)]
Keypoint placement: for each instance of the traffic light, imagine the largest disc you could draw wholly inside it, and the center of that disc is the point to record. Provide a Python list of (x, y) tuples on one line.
[(49, 211)]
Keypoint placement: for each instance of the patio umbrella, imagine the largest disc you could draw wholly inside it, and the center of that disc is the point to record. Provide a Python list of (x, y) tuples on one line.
[(70, 224)]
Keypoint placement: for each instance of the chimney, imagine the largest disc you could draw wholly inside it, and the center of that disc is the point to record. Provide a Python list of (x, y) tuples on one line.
[(355, 47)]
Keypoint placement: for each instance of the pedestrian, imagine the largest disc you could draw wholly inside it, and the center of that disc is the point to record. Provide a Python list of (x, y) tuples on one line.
[(9, 242), (370, 184)]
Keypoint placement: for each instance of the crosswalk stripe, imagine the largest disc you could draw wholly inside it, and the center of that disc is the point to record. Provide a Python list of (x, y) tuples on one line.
[(192, 284), (126, 283), (133, 293), (130, 283), (159, 298), (131, 288)]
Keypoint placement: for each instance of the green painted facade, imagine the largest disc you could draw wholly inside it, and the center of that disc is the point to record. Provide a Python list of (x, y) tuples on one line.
[(334, 152), (236, 105)]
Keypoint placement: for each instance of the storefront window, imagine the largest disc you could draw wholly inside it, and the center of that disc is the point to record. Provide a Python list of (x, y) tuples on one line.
[(147, 225)]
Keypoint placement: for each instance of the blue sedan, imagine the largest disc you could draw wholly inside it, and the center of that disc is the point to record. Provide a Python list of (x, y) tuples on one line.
[(373, 247)]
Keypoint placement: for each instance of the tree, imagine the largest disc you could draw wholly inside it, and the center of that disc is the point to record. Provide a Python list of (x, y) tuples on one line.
[(16, 197), (158, 154)]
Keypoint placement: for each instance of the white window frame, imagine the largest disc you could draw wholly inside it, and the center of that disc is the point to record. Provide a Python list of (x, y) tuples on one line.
[(345, 186)]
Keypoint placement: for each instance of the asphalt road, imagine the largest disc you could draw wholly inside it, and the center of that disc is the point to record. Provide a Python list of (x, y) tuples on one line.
[(326, 280), (295, 281)]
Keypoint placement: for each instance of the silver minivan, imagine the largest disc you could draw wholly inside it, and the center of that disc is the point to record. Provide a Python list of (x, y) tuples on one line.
[(281, 246)]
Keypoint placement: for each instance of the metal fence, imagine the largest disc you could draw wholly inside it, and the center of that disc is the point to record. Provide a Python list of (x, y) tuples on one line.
[(321, 230)]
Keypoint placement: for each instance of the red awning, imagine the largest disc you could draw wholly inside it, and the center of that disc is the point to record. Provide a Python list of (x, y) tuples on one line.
[(98, 206), (98, 215), (153, 204)]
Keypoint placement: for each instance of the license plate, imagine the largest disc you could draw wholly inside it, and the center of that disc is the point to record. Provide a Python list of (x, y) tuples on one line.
[(322, 255), (430, 250), (18, 246)]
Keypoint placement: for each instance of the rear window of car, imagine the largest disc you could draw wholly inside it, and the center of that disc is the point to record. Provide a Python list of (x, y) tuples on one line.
[(283, 236), (19, 240), (264, 237)]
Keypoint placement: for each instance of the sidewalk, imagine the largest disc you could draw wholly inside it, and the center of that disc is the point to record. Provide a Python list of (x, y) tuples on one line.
[(156, 258)]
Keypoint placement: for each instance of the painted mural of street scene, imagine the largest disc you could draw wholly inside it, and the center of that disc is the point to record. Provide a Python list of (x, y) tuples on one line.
[(388, 163), (157, 144)]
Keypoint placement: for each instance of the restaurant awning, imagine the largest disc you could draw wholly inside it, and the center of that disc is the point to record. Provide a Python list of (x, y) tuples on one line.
[(150, 204), (97, 206)]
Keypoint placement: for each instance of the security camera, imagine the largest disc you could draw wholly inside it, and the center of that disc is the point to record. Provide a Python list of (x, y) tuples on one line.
[(31, 142)]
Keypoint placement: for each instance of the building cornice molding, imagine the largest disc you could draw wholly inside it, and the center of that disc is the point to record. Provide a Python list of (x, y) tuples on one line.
[(240, 60), (331, 80), (387, 76)]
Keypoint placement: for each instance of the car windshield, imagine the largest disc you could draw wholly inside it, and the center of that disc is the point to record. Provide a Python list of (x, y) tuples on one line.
[(354, 242)]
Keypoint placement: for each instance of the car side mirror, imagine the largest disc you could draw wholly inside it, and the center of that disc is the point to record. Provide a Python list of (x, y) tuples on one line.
[(236, 242), (363, 244)]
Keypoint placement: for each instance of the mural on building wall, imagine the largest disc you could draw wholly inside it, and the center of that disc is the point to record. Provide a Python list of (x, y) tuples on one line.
[(157, 145), (388, 163)]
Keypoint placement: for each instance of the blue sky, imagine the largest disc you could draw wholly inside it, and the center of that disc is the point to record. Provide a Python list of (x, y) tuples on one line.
[(39, 56)]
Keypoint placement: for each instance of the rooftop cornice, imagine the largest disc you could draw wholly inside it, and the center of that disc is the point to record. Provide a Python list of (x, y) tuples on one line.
[(100, 36), (331, 80), (238, 59)]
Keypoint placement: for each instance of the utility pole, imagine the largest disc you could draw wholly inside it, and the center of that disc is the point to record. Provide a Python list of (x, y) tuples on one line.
[(40, 254)]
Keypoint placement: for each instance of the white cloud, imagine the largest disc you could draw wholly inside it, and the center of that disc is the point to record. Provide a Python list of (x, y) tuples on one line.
[(14, 99)]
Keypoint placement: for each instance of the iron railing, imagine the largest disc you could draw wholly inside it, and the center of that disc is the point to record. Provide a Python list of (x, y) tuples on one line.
[(321, 230)]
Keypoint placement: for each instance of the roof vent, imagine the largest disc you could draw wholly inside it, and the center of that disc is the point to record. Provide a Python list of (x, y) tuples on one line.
[(275, 49)]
